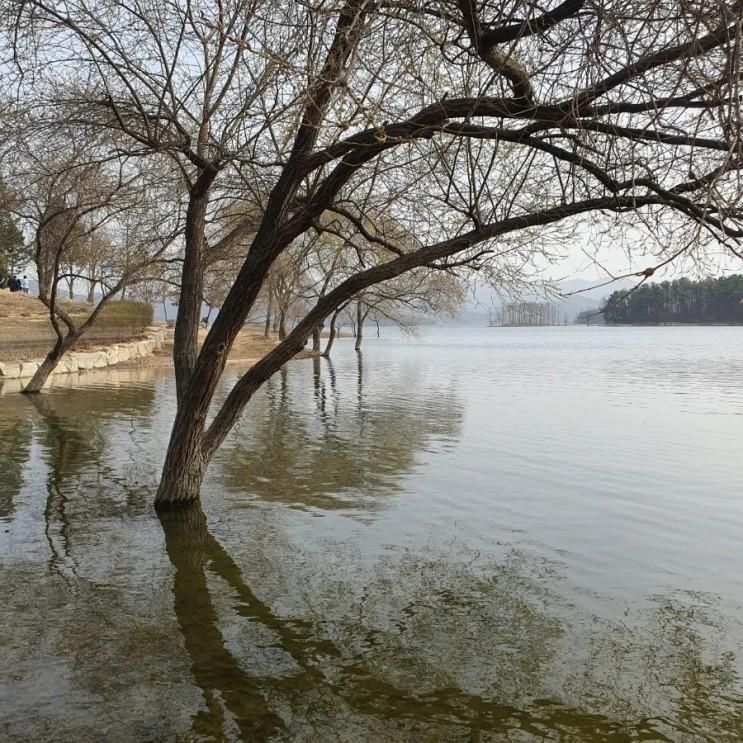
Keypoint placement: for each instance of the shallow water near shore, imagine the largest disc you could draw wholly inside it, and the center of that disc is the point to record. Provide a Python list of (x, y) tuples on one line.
[(481, 534)]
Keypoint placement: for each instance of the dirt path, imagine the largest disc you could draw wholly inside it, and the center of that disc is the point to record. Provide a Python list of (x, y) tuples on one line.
[(249, 346)]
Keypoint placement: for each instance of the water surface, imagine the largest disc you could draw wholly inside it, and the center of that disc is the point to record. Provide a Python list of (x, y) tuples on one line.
[(477, 535)]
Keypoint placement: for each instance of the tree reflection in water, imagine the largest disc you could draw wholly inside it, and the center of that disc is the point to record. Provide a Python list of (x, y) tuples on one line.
[(252, 630), (342, 451), (15, 443), (451, 654), (71, 430)]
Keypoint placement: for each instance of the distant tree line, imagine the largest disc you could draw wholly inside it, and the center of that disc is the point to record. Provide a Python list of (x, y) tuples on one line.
[(527, 314), (683, 301)]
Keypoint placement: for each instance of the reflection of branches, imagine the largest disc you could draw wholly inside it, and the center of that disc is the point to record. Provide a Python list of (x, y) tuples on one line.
[(346, 456), (352, 674), (15, 442), (193, 551), (216, 671), (73, 440), (56, 507), (319, 387), (360, 390), (64, 447)]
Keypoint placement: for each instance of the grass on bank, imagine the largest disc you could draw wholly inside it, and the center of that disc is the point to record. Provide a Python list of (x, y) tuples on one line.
[(26, 332)]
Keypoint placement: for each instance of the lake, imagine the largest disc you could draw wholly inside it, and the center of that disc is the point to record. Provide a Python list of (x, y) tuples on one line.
[(478, 534)]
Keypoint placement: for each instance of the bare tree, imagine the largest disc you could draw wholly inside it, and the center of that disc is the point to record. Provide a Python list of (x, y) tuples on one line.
[(73, 206), (527, 314), (402, 301), (490, 131)]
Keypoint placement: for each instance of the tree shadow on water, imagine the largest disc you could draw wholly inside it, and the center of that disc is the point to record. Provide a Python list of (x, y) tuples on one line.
[(76, 458)]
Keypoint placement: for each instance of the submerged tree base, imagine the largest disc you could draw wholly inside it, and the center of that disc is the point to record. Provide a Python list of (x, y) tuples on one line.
[(177, 496), (183, 474), (186, 517), (50, 363), (185, 461)]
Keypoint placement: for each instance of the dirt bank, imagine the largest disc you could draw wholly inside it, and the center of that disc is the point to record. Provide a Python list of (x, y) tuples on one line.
[(26, 333), (249, 346)]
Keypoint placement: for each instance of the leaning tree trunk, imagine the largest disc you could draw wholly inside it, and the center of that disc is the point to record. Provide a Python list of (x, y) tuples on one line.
[(333, 332), (185, 464), (49, 364), (359, 326)]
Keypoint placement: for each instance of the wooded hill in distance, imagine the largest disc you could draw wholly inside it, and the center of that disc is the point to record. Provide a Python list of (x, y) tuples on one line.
[(681, 301)]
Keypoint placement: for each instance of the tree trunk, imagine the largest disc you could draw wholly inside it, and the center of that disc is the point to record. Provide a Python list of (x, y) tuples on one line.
[(185, 342), (316, 339), (282, 325), (185, 463), (188, 452), (91, 292), (267, 327), (49, 365), (359, 326), (332, 334)]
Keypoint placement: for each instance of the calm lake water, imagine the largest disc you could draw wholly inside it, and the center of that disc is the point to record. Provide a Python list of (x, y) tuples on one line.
[(476, 535)]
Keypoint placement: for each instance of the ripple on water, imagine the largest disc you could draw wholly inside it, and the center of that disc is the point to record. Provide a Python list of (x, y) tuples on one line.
[(512, 535)]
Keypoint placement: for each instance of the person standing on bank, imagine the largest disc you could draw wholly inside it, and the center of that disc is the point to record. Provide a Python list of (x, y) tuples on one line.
[(24, 284)]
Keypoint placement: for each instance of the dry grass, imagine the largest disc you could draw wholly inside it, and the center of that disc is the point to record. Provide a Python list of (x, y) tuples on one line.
[(26, 332), (16, 306), (249, 346)]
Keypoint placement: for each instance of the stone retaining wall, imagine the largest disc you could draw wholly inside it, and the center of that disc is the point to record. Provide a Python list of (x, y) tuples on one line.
[(75, 361)]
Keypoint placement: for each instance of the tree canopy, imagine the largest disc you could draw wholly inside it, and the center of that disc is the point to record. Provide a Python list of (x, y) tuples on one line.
[(448, 134)]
